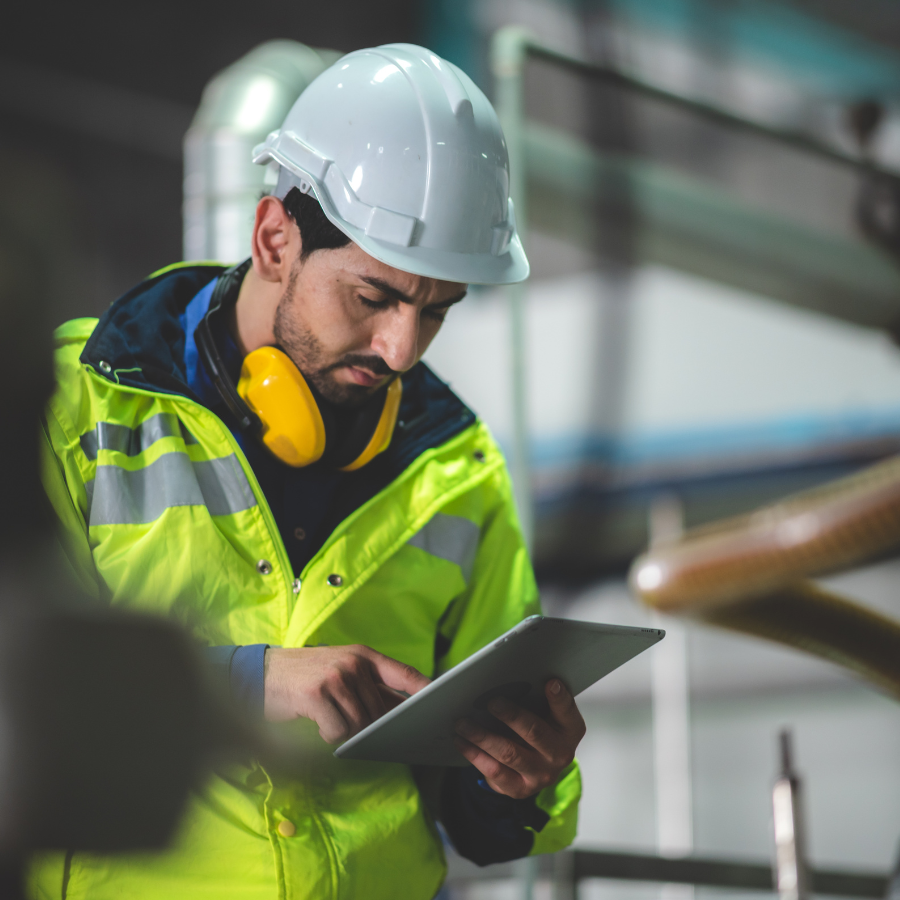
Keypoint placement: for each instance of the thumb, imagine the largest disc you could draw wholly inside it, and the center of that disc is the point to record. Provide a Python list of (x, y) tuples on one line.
[(562, 705), (398, 675)]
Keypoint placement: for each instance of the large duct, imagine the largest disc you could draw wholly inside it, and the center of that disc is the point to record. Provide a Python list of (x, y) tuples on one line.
[(239, 107)]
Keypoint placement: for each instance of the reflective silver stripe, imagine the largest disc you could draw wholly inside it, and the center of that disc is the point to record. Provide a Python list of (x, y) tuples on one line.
[(452, 538), (120, 497), (224, 485), (131, 441)]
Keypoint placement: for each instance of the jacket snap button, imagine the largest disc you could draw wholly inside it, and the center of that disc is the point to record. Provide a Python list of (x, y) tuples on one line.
[(286, 828), (105, 367), (296, 585), (264, 567), (479, 456), (335, 580), (300, 534)]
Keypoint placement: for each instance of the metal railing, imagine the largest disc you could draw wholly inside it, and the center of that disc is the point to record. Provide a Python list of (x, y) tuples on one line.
[(568, 868)]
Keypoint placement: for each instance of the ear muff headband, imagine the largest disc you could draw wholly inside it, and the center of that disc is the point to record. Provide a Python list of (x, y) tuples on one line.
[(274, 401), (225, 291)]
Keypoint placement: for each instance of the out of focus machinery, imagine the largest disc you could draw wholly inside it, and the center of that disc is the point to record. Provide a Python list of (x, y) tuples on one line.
[(750, 573)]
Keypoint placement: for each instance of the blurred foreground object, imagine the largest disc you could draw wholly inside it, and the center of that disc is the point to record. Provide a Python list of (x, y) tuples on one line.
[(105, 728), (240, 106), (106, 720), (747, 573)]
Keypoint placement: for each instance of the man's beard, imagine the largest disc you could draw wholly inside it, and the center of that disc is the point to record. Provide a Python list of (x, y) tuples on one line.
[(305, 350)]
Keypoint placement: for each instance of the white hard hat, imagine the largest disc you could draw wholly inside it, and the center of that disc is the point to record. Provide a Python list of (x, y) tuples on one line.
[(406, 156)]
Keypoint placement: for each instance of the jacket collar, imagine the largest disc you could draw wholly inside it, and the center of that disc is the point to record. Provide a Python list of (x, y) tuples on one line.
[(139, 342)]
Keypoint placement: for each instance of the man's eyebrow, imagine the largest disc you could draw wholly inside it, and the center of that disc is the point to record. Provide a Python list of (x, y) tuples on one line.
[(442, 304), (395, 294)]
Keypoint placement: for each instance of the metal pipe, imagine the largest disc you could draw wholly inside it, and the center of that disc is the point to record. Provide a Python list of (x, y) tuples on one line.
[(239, 107), (791, 875), (507, 63)]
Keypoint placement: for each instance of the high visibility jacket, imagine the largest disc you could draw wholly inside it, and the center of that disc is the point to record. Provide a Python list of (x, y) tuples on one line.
[(162, 512)]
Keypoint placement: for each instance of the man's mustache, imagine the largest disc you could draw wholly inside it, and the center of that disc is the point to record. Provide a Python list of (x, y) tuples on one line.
[(374, 364)]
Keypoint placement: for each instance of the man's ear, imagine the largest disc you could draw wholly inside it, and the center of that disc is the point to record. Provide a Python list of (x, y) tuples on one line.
[(275, 243)]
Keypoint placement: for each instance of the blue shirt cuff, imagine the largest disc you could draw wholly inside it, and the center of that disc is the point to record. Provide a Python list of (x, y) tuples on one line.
[(248, 678), (242, 672)]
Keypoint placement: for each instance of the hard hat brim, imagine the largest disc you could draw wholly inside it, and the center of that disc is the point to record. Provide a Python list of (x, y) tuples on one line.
[(509, 268)]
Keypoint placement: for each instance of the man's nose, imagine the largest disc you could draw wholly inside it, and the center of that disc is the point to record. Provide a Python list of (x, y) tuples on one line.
[(397, 341)]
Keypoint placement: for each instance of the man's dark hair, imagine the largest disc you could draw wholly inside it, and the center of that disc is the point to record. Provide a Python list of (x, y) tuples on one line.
[(316, 232)]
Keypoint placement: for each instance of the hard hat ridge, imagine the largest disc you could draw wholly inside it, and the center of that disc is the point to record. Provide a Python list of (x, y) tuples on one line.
[(406, 156)]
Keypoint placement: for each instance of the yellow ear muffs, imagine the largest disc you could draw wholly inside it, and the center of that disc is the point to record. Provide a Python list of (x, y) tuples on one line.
[(292, 425), (384, 430), (273, 387)]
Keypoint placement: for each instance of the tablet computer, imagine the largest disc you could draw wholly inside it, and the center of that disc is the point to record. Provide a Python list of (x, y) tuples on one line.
[(516, 665)]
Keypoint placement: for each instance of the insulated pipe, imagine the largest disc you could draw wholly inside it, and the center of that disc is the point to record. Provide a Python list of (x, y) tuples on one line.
[(824, 624), (827, 529), (747, 573), (239, 107)]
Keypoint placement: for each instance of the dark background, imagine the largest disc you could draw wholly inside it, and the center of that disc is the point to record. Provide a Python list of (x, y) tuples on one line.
[(94, 98)]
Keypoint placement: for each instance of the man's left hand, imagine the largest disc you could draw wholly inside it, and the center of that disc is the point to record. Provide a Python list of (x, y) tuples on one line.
[(525, 767)]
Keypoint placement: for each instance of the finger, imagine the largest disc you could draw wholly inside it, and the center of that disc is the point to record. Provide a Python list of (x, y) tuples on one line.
[(533, 730), (564, 710), (346, 698), (370, 696), (505, 751), (500, 778), (394, 674), (333, 727), (391, 698)]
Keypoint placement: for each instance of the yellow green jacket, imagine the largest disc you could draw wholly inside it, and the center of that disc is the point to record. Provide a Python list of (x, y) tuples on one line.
[(161, 512)]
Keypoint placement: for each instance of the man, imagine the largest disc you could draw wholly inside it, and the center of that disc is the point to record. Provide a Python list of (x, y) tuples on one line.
[(329, 566)]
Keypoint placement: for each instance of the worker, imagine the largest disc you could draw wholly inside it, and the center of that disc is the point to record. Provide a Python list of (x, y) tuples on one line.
[(258, 452)]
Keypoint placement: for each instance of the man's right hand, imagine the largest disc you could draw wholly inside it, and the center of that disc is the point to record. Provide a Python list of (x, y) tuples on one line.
[(342, 689)]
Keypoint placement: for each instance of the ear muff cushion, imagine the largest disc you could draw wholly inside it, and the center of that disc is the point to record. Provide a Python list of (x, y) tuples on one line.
[(292, 425)]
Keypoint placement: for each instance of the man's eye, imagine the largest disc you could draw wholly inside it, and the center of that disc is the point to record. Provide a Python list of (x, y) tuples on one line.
[(372, 304), (436, 315)]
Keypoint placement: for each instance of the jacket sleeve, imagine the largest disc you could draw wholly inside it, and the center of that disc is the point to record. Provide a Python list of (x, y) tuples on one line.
[(501, 592)]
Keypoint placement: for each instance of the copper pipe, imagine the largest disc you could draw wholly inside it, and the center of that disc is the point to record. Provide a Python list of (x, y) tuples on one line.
[(824, 624), (827, 529), (747, 573)]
